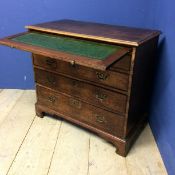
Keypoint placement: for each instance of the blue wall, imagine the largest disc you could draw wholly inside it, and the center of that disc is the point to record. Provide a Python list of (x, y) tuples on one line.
[(16, 67), (162, 119)]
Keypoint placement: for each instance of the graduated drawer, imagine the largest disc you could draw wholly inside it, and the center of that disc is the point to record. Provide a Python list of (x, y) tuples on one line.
[(92, 94), (72, 107), (110, 78)]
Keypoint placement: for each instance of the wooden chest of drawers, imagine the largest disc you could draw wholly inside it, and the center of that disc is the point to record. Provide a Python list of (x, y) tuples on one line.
[(94, 75)]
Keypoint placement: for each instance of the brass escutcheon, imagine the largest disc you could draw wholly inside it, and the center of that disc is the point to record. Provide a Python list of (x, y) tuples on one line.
[(100, 119), (52, 99)]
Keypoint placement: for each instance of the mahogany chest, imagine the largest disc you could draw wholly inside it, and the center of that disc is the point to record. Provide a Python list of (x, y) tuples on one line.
[(94, 75)]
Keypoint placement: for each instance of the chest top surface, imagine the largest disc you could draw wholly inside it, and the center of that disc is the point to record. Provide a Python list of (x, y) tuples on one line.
[(110, 33)]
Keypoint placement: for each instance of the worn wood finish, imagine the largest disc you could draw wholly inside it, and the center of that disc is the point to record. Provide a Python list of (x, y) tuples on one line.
[(111, 78), (109, 97), (141, 83), (121, 65), (109, 33), (95, 95), (122, 144), (80, 110)]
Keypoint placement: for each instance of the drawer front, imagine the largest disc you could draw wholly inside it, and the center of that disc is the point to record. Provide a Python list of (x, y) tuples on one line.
[(72, 107), (122, 64), (109, 78), (93, 94)]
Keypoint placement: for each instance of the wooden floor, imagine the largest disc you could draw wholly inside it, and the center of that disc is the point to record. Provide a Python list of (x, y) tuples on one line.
[(33, 146)]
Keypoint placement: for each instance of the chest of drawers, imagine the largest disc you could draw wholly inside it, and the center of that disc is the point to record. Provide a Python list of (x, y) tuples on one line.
[(94, 75)]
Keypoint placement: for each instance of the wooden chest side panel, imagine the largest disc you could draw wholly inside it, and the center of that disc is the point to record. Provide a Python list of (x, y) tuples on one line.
[(141, 88)]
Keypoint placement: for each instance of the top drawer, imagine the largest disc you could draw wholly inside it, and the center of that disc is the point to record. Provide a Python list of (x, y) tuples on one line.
[(110, 78)]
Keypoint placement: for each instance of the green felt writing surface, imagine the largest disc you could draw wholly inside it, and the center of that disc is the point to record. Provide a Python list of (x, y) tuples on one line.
[(74, 46)]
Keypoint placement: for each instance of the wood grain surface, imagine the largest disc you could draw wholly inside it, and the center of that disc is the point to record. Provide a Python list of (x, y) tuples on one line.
[(95, 95), (79, 110), (110, 33), (113, 79)]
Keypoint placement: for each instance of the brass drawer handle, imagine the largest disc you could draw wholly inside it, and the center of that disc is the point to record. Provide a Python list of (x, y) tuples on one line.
[(101, 96), (75, 103), (52, 99), (100, 119), (101, 76), (51, 63), (51, 80)]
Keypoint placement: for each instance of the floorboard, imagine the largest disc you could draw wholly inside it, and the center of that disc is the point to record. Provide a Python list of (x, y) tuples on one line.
[(33, 146), (14, 128), (103, 159), (36, 152), (144, 158), (8, 99), (71, 153)]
